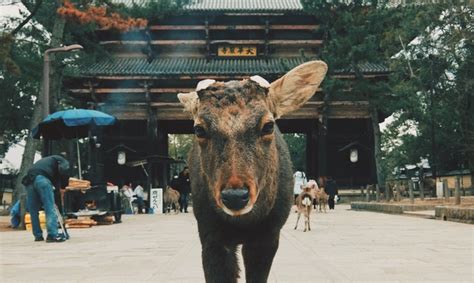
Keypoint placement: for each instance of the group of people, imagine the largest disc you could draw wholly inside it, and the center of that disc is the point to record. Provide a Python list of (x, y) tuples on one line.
[(327, 184), (134, 197), (182, 184)]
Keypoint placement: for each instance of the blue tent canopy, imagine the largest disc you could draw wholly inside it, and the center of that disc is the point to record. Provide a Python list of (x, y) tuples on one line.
[(72, 123)]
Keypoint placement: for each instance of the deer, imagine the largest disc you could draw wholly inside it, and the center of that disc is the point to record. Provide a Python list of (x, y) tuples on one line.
[(304, 205), (170, 197), (319, 195), (240, 168)]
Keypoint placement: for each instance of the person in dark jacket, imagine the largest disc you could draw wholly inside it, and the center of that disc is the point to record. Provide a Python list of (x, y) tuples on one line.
[(331, 190), (43, 178), (184, 186)]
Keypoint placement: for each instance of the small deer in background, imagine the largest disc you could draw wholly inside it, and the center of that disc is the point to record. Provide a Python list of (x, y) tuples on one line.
[(304, 204), (171, 197), (321, 199)]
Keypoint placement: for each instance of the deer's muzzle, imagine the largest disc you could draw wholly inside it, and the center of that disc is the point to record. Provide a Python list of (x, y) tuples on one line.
[(235, 198)]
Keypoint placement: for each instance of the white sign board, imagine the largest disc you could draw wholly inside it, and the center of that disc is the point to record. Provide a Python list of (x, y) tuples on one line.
[(439, 189), (156, 200)]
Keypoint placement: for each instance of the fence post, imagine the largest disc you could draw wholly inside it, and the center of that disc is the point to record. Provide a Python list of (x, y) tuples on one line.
[(377, 193), (367, 193), (446, 190), (398, 192), (410, 189), (457, 193), (422, 190)]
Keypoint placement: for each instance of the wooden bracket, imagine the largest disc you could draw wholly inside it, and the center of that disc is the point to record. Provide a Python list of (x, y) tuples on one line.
[(91, 87), (208, 39), (267, 38)]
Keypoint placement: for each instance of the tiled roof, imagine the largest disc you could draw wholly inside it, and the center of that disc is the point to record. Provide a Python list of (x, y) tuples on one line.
[(245, 5), (253, 6), (200, 66)]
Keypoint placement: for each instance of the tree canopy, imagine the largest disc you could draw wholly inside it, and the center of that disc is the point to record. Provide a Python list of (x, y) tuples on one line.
[(429, 50)]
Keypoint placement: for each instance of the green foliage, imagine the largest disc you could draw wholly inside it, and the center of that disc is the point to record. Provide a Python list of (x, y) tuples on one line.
[(430, 87), (21, 57), (433, 85), (179, 146), (297, 147), (19, 86)]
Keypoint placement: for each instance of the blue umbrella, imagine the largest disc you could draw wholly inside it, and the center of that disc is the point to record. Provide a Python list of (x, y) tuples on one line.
[(72, 123)]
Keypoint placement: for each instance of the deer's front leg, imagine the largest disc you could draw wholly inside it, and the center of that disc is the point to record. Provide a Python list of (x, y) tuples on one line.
[(258, 257), (219, 262)]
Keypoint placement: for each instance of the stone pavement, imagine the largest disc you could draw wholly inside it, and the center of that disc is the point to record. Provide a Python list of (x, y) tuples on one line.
[(343, 246)]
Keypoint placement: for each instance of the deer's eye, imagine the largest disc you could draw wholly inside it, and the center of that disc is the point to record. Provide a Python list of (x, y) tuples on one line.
[(200, 132), (268, 128)]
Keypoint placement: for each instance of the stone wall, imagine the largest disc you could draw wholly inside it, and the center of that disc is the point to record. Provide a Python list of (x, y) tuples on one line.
[(389, 207), (458, 214)]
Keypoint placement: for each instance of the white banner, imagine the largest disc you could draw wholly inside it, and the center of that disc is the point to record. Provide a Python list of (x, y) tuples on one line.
[(156, 200)]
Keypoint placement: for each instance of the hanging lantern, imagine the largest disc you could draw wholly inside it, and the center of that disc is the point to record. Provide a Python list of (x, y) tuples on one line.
[(121, 157), (354, 155)]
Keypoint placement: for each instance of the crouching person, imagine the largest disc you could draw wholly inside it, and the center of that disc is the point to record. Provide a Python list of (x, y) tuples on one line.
[(46, 175)]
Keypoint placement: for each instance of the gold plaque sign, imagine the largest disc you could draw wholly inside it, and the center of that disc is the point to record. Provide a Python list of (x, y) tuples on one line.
[(236, 51)]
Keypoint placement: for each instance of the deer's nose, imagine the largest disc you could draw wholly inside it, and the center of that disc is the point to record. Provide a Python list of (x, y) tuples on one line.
[(235, 198)]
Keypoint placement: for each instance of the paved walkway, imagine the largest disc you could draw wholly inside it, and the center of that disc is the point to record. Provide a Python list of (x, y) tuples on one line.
[(344, 246)]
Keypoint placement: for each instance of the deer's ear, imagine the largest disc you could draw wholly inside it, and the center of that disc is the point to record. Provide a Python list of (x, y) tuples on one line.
[(190, 101), (291, 91)]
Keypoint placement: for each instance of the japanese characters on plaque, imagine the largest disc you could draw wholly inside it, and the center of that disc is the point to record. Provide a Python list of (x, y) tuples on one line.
[(236, 51), (156, 200)]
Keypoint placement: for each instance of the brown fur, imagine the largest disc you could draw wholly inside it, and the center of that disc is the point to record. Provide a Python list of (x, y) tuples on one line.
[(234, 152), (171, 197), (305, 208), (321, 199)]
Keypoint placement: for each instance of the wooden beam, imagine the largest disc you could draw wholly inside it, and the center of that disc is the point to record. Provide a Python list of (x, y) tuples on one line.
[(134, 90), (174, 111), (308, 104), (216, 77), (131, 90), (233, 27), (203, 42)]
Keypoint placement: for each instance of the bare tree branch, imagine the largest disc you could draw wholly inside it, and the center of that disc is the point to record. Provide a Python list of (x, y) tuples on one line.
[(408, 60), (25, 21)]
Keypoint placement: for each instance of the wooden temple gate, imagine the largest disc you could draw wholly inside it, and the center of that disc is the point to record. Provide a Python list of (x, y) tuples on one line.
[(221, 40)]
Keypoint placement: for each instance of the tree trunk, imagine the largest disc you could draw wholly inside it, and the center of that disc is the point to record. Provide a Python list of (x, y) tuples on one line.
[(31, 144), (26, 161), (377, 149), (55, 69), (55, 75)]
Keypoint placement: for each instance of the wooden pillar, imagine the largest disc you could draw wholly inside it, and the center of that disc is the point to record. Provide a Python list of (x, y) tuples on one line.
[(411, 185), (377, 193), (322, 150), (387, 192), (96, 163), (457, 192), (312, 150), (377, 151), (161, 149), (422, 189), (367, 193), (446, 190), (399, 196)]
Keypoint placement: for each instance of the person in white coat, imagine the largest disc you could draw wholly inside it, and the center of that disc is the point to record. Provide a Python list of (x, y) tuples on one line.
[(299, 179)]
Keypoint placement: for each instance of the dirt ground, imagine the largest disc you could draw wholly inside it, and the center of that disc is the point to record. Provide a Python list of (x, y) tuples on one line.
[(5, 224)]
